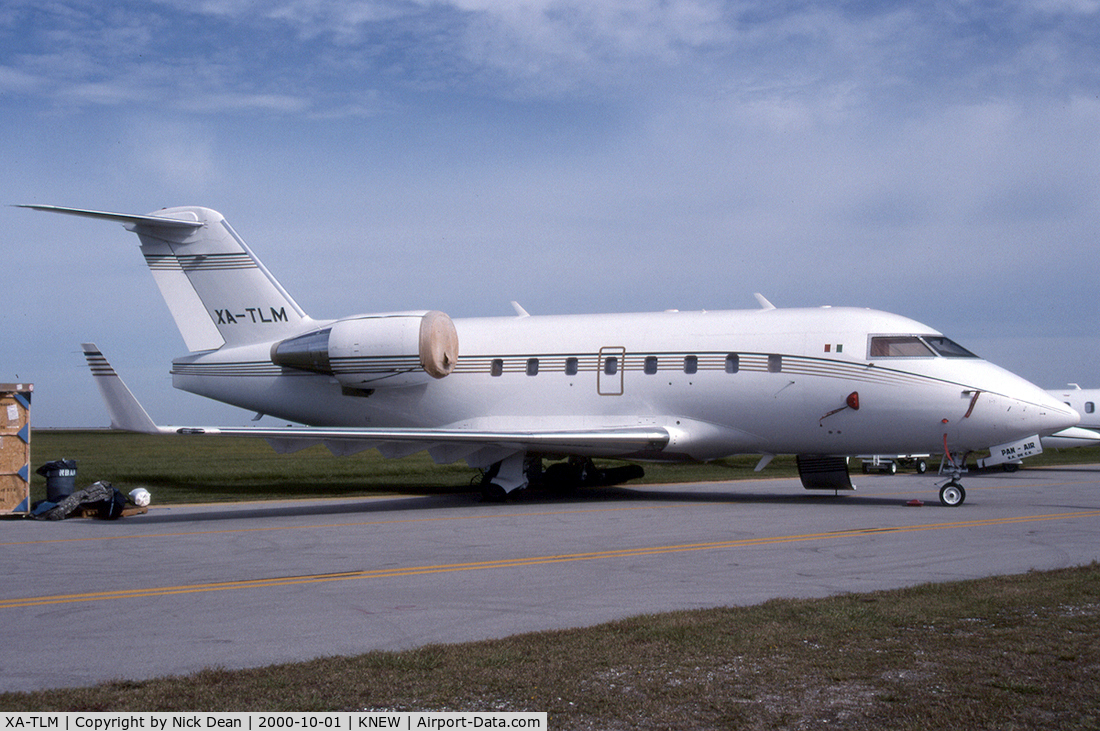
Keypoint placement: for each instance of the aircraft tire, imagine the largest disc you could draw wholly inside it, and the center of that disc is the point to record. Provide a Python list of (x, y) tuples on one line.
[(493, 493), (952, 495), (562, 479), (619, 475)]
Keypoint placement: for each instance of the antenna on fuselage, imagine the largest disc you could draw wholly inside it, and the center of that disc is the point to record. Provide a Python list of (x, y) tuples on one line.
[(764, 304)]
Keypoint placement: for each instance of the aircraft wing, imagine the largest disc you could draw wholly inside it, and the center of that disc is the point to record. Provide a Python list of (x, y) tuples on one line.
[(449, 445), (479, 447), (1075, 436)]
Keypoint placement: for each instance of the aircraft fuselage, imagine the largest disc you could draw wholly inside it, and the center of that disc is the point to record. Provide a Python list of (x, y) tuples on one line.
[(722, 383)]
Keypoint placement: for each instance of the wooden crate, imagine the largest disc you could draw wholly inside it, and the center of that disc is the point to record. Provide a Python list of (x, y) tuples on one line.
[(15, 447)]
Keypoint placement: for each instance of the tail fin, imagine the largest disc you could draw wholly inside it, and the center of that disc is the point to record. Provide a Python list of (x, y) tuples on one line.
[(217, 290), (126, 413)]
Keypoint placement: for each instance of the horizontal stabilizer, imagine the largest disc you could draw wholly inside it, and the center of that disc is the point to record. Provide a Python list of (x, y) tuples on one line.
[(131, 220)]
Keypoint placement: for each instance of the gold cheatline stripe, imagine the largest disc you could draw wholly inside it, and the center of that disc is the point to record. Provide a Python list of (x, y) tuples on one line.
[(519, 562)]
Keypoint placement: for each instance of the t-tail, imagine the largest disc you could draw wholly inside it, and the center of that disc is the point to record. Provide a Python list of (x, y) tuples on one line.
[(217, 290)]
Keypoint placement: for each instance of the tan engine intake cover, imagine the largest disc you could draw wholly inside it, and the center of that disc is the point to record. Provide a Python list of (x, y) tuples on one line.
[(438, 344)]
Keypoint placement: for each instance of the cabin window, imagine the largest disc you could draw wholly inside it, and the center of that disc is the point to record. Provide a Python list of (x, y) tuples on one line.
[(691, 364), (611, 365), (651, 364), (1090, 407), (496, 368), (570, 366), (733, 363), (532, 366), (775, 364)]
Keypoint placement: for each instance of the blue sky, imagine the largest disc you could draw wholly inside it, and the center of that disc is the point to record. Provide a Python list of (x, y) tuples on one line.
[(939, 160)]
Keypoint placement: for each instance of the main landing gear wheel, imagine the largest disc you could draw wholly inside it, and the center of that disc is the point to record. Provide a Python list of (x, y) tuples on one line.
[(952, 494), (493, 493), (495, 482)]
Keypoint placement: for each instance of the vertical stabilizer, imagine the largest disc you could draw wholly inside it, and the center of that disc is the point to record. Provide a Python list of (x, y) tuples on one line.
[(216, 289)]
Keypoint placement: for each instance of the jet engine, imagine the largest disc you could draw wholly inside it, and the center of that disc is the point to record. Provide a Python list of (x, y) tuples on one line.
[(376, 351)]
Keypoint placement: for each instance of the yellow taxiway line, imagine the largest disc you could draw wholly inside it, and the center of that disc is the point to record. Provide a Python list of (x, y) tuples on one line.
[(506, 563)]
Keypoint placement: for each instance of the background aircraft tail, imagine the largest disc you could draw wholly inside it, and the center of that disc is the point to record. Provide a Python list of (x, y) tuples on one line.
[(217, 290)]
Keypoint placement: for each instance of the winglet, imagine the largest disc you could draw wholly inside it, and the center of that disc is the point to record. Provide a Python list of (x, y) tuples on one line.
[(126, 413)]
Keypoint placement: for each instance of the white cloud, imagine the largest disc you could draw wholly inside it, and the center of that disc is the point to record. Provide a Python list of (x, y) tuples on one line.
[(216, 102), (16, 81), (184, 54), (173, 154)]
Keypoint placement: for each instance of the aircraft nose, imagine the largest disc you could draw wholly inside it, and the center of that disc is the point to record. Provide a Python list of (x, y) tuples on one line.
[(1053, 415)]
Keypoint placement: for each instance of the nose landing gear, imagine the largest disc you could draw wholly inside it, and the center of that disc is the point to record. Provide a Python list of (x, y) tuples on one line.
[(952, 493)]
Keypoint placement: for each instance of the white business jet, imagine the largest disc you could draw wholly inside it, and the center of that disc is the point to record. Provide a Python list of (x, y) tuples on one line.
[(507, 393), (1087, 431)]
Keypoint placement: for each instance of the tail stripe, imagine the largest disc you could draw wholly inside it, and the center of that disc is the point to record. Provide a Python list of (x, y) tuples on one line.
[(98, 364), (199, 262)]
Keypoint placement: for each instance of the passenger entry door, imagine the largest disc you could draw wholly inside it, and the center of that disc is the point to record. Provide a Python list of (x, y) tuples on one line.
[(609, 375)]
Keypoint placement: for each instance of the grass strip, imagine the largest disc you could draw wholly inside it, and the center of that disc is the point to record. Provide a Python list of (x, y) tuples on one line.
[(212, 469)]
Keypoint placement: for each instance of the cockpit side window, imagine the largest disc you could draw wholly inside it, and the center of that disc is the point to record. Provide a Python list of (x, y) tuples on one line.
[(899, 346), (916, 346)]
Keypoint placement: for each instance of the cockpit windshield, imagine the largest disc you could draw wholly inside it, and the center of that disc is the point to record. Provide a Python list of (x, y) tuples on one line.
[(916, 346), (947, 347)]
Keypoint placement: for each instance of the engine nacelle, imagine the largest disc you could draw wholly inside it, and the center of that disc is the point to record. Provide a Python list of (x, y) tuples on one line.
[(376, 351)]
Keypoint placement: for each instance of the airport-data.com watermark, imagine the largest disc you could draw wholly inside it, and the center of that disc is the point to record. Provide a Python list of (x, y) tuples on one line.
[(250, 721)]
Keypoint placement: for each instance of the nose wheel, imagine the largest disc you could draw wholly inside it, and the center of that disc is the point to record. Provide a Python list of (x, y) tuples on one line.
[(952, 494)]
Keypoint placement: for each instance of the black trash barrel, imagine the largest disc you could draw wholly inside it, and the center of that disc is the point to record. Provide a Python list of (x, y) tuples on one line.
[(60, 477)]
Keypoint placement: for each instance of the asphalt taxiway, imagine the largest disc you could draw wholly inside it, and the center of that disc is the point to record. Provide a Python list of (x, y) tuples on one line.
[(243, 585)]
